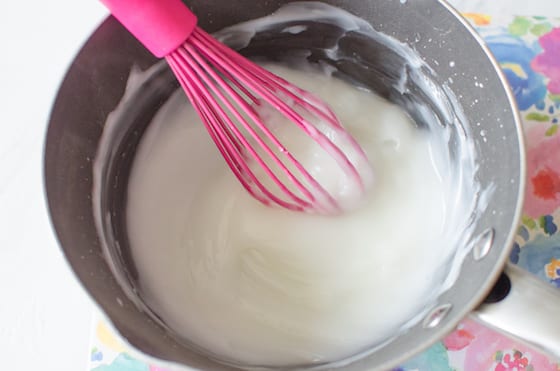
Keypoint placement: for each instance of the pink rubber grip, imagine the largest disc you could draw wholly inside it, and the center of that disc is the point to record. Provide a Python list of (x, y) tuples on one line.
[(161, 25)]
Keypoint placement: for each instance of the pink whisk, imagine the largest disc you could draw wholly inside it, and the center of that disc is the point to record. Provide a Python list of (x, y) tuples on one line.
[(226, 90)]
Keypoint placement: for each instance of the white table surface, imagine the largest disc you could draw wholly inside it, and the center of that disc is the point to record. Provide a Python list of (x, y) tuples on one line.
[(45, 316)]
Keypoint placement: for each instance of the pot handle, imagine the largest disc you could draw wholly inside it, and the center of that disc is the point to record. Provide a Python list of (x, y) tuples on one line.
[(529, 312)]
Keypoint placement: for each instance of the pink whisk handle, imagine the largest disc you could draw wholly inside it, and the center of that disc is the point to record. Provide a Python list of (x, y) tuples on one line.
[(161, 25)]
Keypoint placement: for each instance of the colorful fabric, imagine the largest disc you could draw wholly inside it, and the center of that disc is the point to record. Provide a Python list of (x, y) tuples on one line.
[(528, 50)]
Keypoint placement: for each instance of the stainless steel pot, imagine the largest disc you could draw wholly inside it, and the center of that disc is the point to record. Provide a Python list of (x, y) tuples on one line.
[(95, 84)]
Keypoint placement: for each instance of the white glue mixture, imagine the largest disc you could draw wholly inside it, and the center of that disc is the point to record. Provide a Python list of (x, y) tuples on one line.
[(266, 286)]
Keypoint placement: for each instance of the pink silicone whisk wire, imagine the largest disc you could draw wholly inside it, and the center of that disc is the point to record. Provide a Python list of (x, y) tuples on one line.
[(224, 89)]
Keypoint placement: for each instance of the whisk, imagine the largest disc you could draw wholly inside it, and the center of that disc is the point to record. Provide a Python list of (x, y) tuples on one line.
[(229, 92)]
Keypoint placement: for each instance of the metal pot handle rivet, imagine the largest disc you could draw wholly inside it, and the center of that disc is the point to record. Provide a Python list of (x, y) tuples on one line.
[(434, 318), (483, 243)]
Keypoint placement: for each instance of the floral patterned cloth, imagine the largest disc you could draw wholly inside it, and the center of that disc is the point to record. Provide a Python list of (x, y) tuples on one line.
[(528, 50)]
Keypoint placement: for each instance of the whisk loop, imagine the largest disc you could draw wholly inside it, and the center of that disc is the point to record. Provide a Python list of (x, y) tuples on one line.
[(225, 88)]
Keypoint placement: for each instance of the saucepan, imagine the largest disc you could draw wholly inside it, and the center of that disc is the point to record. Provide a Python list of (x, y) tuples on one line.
[(100, 257)]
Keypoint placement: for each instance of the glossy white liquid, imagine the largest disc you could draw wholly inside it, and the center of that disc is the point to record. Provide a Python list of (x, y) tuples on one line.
[(260, 285)]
